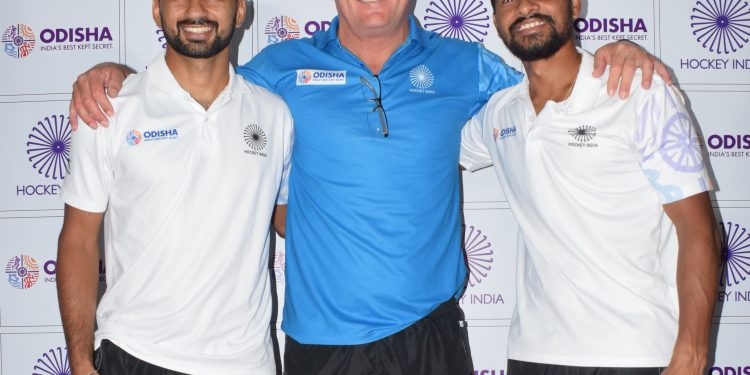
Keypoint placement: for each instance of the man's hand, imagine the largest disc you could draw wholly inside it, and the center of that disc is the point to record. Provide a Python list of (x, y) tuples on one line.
[(686, 364), (624, 58), (90, 91)]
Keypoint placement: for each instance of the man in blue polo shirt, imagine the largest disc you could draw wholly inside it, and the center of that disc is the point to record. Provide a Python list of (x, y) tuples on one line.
[(374, 259)]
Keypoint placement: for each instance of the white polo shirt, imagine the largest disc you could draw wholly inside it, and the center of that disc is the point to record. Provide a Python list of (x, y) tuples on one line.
[(188, 195), (586, 180)]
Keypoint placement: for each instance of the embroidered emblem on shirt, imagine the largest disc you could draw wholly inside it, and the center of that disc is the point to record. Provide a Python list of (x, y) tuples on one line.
[(256, 139), (422, 79), (307, 77), (584, 135)]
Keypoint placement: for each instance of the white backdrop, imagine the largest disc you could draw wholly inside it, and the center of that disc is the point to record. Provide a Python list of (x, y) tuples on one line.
[(47, 43)]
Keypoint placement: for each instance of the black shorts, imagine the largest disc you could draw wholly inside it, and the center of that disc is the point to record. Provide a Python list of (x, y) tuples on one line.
[(112, 360), (530, 368), (438, 344)]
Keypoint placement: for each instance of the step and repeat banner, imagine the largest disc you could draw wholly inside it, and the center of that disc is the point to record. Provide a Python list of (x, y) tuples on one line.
[(47, 43)]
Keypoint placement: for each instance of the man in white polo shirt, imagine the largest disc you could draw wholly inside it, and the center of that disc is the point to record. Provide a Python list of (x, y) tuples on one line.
[(617, 258), (188, 175)]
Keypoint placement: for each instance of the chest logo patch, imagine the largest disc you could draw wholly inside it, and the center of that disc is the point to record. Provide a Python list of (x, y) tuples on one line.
[(503, 133), (307, 77), (583, 136), (256, 140), (422, 79), (136, 137)]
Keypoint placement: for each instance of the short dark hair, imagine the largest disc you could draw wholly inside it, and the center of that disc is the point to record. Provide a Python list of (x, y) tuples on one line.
[(494, 5)]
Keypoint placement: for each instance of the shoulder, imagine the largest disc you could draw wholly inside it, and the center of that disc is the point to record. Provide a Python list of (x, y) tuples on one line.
[(502, 99), (259, 94)]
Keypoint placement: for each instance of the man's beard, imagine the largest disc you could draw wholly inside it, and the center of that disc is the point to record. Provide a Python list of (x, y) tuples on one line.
[(540, 49), (196, 50)]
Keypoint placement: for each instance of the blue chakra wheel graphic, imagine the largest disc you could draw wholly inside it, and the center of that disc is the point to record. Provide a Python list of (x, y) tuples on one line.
[(421, 77), (54, 362), (478, 254), (722, 26), (681, 148), (467, 20), (49, 146), (735, 254)]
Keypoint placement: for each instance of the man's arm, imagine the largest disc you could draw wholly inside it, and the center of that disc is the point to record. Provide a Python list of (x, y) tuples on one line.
[(77, 284), (89, 99), (279, 219), (623, 58), (697, 279)]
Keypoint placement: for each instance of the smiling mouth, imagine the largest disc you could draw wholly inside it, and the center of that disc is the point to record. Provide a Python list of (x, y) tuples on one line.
[(529, 25), (194, 29)]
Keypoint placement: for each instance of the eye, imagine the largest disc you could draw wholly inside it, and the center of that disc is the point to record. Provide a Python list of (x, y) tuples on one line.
[(506, 1)]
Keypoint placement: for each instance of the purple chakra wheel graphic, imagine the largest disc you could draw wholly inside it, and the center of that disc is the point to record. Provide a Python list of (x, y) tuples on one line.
[(22, 272), (680, 147), (478, 254), (49, 146), (54, 362), (18, 41), (721, 26), (735, 254), (467, 20)]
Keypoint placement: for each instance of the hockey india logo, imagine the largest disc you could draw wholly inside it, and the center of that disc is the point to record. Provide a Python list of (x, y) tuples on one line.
[(583, 133), (48, 146), (468, 20), (53, 362), (421, 77), (735, 254), (721, 26), (478, 254), (255, 137)]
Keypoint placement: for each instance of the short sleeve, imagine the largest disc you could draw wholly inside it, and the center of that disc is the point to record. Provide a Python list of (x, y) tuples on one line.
[(669, 147), (283, 196), (90, 179), (494, 75), (474, 154), (256, 71)]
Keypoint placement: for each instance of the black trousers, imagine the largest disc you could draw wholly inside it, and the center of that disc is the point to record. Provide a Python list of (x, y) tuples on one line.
[(436, 345), (112, 360), (530, 368)]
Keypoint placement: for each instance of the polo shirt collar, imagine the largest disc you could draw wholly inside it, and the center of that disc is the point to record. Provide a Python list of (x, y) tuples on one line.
[(160, 78), (323, 38)]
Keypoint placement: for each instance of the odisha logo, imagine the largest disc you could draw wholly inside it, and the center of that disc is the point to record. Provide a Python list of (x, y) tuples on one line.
[(54, 362), (255, 137), (421, 77), (134, 137), (722, 26), (162, 39), (478, 254), (49, 146), (583, 133), (18, 40), (22, 272), (281, 28), (735, 254), (459, 19)]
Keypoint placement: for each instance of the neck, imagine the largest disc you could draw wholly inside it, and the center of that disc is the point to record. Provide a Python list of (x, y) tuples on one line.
[(373, 48), (203, 79), (552, 79)]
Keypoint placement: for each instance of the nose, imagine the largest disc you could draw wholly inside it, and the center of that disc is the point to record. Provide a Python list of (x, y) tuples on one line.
[(527, 7), (196, 9)]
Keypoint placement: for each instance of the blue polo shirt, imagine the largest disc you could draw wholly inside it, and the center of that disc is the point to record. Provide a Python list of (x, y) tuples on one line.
[(373, 232)]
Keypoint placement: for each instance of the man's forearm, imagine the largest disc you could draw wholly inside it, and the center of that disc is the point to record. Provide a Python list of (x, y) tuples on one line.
[(697, 279), (77, 285)]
